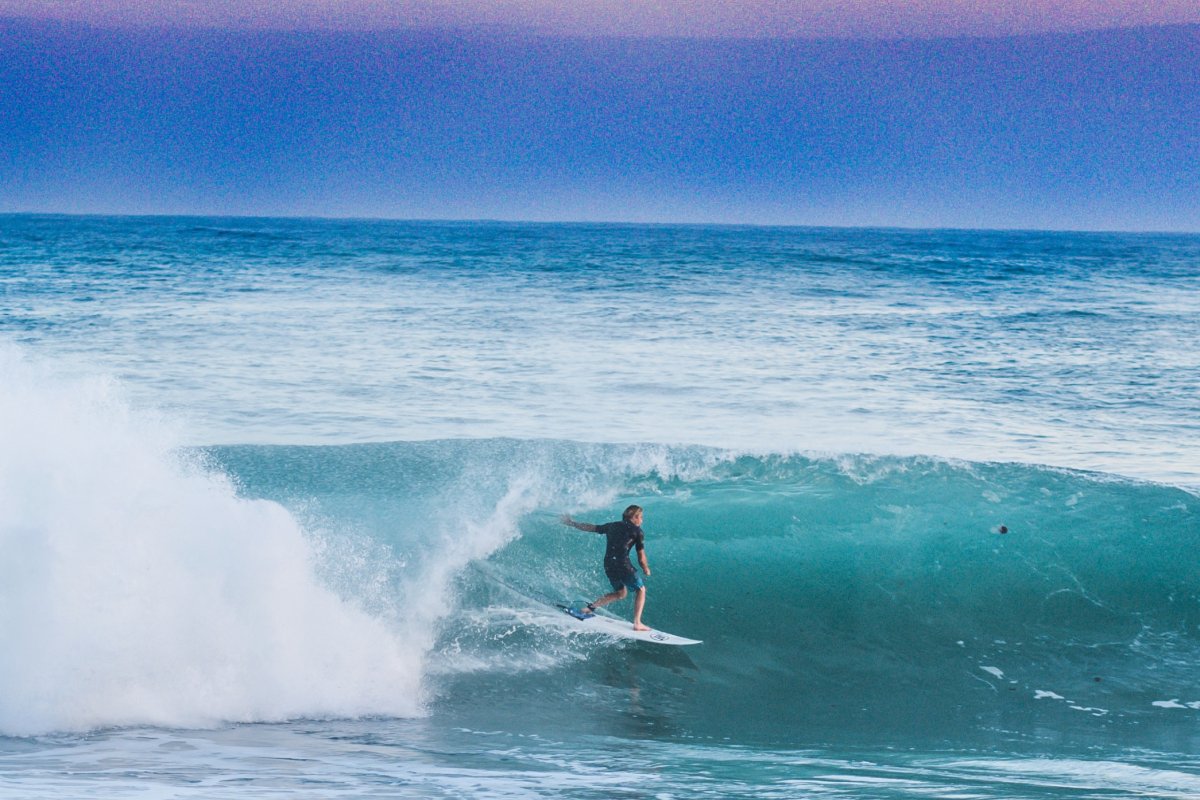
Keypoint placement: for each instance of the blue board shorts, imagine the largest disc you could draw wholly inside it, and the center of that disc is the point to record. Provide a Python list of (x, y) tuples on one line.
[(630, 580)]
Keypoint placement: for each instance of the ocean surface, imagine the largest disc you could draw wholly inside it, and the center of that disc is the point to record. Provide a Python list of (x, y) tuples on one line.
[(279, 508)]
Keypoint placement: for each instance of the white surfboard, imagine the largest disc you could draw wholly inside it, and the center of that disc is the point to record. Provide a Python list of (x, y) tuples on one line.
[(609, 626)]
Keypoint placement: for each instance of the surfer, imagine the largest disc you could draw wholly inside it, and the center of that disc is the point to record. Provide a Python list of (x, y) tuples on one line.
[(623, 536)]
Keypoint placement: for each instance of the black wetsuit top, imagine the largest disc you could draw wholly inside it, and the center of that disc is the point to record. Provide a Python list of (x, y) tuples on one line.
[(622, 537)]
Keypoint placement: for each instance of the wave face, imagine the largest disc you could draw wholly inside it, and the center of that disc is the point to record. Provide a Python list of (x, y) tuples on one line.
[(837, 595)]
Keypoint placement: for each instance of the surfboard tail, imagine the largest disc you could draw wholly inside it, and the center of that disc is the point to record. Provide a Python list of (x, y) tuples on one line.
[(575, 612)]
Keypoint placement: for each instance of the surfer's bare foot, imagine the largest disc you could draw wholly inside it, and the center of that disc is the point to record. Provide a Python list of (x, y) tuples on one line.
[(640, 627)]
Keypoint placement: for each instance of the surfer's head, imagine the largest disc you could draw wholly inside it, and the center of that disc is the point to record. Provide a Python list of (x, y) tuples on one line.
[(631, 512)]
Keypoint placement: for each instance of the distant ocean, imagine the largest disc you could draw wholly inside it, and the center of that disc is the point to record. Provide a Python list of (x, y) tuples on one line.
[(279, 510)]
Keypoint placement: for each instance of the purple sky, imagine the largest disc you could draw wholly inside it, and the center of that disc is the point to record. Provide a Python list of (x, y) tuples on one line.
[(707, 18), (1061, 130)]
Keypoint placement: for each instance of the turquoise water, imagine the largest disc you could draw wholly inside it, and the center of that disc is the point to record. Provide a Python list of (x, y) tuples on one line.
[(279, 501)]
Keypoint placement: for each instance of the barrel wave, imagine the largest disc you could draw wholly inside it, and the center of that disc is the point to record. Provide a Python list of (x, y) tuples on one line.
[(837, 596), (834, 594)]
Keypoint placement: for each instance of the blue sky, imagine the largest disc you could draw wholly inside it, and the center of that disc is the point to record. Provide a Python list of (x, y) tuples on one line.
[(1057, 129)]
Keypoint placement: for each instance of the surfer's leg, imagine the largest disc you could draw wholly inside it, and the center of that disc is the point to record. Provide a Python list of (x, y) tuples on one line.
[(617, 581), (619, 594), (639, 602)]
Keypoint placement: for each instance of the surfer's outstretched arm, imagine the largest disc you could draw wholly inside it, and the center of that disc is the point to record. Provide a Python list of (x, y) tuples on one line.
[(582, 526)]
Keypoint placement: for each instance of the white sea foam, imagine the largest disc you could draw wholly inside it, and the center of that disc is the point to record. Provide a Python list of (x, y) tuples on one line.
[(138, 588), (1174, 703), (1049, 775)]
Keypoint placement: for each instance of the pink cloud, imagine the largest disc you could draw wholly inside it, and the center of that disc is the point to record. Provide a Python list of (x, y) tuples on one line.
[(706, 18)]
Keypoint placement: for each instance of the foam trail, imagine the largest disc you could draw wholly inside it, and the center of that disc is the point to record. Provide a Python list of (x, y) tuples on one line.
[(429, 594), (138, 588)]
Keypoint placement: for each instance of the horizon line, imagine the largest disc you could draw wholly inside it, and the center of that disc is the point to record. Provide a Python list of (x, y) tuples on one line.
[(600, 222)]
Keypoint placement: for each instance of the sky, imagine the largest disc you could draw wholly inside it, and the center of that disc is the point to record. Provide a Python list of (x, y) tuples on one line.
[(918, 114), (704, 18)]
